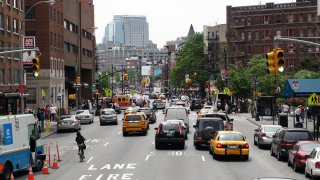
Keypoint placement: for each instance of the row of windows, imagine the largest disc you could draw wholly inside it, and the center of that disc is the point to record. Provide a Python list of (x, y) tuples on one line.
[(10, 47), (70, 26), (56, 40), (16, 4), (13, 25), (56, 16), (275, 19), (71, 48), (16, 76)]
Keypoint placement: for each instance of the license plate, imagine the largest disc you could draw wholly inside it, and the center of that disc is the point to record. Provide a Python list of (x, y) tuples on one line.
[(169, 134), (233, 146), (133, 124)]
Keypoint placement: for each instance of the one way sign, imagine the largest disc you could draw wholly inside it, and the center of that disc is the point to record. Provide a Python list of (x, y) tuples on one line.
[(313, 100)]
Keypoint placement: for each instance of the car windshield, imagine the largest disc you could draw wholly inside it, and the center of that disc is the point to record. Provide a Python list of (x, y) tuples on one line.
[(175, 121), (169, 127), (145, 110), (309, 147), (107, 112), (133, 118), (65, 117), (221, 116), (79, 112), (157, 101), (297, 135), (271, 128), (210, 123), (230, 137), (196, 101)]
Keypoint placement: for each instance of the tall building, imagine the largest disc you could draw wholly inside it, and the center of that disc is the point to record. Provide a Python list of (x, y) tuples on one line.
[(251, 30), (127, 30), (11, 69), (45, 23)]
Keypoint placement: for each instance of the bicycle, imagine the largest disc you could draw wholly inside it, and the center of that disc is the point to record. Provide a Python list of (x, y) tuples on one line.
[(81, 153)]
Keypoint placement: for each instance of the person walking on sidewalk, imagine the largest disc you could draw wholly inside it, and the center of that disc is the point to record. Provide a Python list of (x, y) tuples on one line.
[(40, 116), (302, 113), (53, 112), (298, 113)]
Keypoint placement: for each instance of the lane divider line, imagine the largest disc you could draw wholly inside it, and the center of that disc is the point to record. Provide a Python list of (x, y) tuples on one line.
[(120, 132), (147, 157), (89, 159), (203, 158), (106, 144)]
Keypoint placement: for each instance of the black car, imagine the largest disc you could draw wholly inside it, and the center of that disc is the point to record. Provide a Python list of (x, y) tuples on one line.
[(195, 104), (149, 113), (169, 134), (205, 129), (158, 104), (285, 138), (117, 108)]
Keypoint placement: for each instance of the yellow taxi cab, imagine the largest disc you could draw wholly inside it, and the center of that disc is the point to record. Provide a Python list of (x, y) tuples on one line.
[(226, 143), (135, 122)]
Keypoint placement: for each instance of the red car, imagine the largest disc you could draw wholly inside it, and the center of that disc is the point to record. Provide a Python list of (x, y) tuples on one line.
[(299, 153)]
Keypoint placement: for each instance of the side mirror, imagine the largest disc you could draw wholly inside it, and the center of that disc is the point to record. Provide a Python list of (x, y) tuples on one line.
[(256, 130), (195, 126), (231, 120), (122, 119), (188, 111), (155, 128), (274, 136)]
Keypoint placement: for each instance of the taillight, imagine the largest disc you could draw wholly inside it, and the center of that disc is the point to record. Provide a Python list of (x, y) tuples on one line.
[(286, 143), (158, 130), (317, 165), (246, 146), (219, 145), (100, 116), (200, 115), (87, 117), (263, 135), (225, 126)]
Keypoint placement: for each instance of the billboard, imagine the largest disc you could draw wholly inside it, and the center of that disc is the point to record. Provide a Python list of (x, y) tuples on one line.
[(146, 70), (157, 72)]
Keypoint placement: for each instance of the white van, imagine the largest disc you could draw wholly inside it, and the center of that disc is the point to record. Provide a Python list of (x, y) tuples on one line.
[(178, 112)]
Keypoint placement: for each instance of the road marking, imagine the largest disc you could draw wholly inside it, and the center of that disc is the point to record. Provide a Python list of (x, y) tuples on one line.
[(89, 159), (106, 144), (153, 143), (203, 158), (88, 140), (120, 132), (147, 157)]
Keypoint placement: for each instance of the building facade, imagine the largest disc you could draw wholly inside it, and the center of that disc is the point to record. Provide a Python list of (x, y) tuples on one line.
[(11, 68), (251, 30), (45, 23), (127, 30)]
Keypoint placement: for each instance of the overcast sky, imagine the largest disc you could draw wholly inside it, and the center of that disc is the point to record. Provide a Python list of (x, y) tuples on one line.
[(168, 19)]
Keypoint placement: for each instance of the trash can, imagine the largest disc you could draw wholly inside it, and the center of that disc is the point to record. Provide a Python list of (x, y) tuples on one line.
[(283, 119)]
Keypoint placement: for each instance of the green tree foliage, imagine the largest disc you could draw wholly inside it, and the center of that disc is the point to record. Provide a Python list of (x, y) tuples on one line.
[(306, 74), (190, 61), (239, 81), (306, 63)]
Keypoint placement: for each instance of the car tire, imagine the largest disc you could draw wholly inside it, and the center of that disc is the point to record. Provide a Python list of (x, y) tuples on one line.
[(258, 144), (288, 163), (125, 133), (101, 123), (145, 133), (306, 174), (295, 167), (210, 151), (182, 145), (214, 156), (157, 146), (6, 172), (58, 130), (271, 151), (254, 141), (279, 157), (245, 157), (198, 146)]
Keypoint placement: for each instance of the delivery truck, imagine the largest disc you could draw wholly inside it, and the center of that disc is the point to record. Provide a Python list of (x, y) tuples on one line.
[(20, 145)]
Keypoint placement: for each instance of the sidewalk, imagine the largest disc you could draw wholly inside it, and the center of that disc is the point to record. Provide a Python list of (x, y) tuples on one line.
[(267, 120), (53, 129)]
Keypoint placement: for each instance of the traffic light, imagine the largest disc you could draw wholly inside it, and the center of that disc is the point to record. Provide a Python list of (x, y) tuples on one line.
[(126, 77), (280, 59), (78, 80), (271, 63), (36, 66)]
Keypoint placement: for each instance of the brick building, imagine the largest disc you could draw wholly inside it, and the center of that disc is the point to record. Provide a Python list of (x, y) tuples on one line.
[(11, 71), (251, 29)]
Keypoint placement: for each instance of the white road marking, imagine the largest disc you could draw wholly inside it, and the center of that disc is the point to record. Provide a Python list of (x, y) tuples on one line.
[(147, 157), (203, 158), (120, 132), (153, 143), (88, 140), (106, 144), (89, 159)]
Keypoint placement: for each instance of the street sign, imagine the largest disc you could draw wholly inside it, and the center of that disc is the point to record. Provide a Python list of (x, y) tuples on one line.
[(59, 96), (313, 100), (29, 42), (295, 84), (226, 90), (93, 87)]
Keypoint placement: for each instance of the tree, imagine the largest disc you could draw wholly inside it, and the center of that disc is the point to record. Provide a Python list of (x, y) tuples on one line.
[(306, 74), (239, 81), (306, 63)]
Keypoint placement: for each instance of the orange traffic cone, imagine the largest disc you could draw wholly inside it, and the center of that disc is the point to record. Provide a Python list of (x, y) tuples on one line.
[(30, 176), (45, 169), (11, 177), (55, 163)]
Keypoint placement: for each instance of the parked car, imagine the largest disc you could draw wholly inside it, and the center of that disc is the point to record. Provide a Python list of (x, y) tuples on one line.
[(300, 152), (263, 135), (179, 121), (312, 168), (158, 104), (84, 116), (284, 140), (68, 122), (228, 123), (108, 115), (135, 122), (177, 112), (195, 104), (205, 129), (169, 134), (151, 115), (229, 143)]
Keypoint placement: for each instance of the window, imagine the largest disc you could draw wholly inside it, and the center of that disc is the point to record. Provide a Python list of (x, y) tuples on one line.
[(15, 4), (290, 18), (55, 40), (21, 5), (256, 35), (249, 21), (2, 76), (8, 24), (267, 34), (242, 36), (309, 17), (266, 19), (278, 33), (1, 21), (301, 33), (65, 24), (310, 34), (16, 76), (300, 18), (278, 19), (58, 20), (51, 38), (54, 15), (8, 2), (50, 13), (31, 14), (15, 25), (290, 32), (9, 76), (249, 36)]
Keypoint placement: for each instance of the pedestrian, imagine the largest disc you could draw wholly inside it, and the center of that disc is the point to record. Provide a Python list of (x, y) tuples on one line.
[(251, 110), (308, 114), (302, 115), (285, 108), (40, 116), (226, 108), (298, 113), (46, 112), (80, 142), (53, 112)]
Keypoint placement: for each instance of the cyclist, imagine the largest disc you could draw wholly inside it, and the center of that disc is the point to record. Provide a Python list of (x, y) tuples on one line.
[(80, 141)]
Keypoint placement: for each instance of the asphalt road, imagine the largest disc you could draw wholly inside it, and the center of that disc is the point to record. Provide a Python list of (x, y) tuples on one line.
[(110, 156)]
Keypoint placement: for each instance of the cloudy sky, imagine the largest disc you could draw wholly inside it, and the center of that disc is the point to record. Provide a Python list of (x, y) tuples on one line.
[(168, 19)]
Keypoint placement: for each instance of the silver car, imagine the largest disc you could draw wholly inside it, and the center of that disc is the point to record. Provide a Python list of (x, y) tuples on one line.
[(263, 135), (84, 116), (108, 116), (68, 122)]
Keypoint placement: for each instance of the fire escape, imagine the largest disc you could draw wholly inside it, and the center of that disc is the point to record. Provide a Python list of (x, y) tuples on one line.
[(236, 40)]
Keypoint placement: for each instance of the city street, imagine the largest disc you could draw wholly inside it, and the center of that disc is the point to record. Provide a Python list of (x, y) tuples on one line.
[(109, 155)]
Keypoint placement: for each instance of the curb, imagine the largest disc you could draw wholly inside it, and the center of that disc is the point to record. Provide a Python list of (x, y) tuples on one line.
[(253, 122)]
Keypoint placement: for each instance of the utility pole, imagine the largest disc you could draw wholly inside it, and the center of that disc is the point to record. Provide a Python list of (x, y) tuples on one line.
[(122, 82), (225, 66), (112, 82)]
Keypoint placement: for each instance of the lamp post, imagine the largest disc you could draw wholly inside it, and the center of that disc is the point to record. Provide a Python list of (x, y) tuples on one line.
[(50, 2)]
